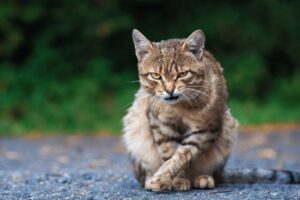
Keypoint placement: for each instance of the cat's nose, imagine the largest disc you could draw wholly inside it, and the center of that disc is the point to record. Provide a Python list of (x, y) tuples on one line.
[(169, 87), (170, 91)]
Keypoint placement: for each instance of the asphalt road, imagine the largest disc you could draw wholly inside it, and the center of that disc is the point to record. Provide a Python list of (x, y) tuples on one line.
[(81, 167)]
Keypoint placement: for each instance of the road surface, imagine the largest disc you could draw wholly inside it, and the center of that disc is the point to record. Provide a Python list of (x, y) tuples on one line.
[(97, 167)]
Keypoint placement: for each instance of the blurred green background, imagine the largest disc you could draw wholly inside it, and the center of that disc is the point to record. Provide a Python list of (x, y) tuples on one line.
[(67, 66)]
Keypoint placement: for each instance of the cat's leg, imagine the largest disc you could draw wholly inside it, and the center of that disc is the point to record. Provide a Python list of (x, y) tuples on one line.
[(139, 171), (194, 146), (191, 147), (166, 145), (139, 143)]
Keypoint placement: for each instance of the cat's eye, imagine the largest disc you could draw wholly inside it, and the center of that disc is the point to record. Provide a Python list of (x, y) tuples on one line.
[(183, 74), (155, 76)]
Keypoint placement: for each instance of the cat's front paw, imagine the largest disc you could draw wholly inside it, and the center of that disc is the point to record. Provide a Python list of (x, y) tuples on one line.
[(181, 184), (204, 181), (159, 183)]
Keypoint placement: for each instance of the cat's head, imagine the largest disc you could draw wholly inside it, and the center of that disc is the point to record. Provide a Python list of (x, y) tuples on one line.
[(173, 69)]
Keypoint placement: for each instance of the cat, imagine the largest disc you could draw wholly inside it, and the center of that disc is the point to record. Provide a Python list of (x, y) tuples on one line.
[(179, 131)]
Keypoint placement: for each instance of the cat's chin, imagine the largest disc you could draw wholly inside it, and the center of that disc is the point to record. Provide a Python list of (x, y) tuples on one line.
[(171, 101)]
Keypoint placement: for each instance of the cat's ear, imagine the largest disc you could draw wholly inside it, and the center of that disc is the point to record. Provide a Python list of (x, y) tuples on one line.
[(141, 43), (195, 43)]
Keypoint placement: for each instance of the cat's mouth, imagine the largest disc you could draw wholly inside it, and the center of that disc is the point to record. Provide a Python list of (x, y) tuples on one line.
[(171, 99)]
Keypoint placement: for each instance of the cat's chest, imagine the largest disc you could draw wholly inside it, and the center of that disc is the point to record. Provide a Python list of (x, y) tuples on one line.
[(172, 123)]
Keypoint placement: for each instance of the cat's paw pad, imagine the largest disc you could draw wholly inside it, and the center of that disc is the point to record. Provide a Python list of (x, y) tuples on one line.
[(158, 183), (204, 181), (181, 184)]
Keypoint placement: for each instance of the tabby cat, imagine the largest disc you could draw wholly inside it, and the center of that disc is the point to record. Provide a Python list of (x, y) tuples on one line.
[(179, 131)]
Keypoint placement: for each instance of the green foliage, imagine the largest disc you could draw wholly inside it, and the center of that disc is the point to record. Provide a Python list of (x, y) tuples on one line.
[(67, 65)]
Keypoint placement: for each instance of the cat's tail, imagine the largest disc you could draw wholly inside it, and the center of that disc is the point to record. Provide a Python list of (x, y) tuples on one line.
[(260, 176)]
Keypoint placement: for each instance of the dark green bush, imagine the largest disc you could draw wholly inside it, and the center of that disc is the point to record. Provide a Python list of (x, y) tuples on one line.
[(67, 65)]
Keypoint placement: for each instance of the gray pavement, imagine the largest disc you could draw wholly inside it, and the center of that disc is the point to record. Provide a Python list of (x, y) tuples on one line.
[(82, 167)]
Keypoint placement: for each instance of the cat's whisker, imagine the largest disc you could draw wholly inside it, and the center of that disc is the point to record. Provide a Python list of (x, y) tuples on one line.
[(198, 86), (186, 98), (126, 106), (193, 97), (198, 91), (154, 101), (156, 104), (151, 101), (134, 81), (130, 103)]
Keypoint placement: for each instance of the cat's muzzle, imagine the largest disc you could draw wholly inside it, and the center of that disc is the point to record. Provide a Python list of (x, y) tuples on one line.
[(171, 99)]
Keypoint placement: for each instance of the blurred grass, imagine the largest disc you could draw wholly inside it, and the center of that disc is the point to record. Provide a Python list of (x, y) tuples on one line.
[(66, 66), (80, 104), (253, 113), (87, 109)]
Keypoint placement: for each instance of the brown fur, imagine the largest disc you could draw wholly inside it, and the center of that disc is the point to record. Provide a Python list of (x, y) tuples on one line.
[(183, 142)]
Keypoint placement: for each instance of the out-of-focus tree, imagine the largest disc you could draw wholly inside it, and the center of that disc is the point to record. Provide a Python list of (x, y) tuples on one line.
[(65, 65)]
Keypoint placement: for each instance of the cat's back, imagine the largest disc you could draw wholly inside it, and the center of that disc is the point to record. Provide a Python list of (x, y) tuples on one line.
[(210, 60)]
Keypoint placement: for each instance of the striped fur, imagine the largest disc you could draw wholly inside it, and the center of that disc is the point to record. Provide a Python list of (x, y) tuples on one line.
[(260, 176), (179, 131), (176, 146)]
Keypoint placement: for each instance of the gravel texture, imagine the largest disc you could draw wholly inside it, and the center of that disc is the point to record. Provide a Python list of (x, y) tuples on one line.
[(92, 167)]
